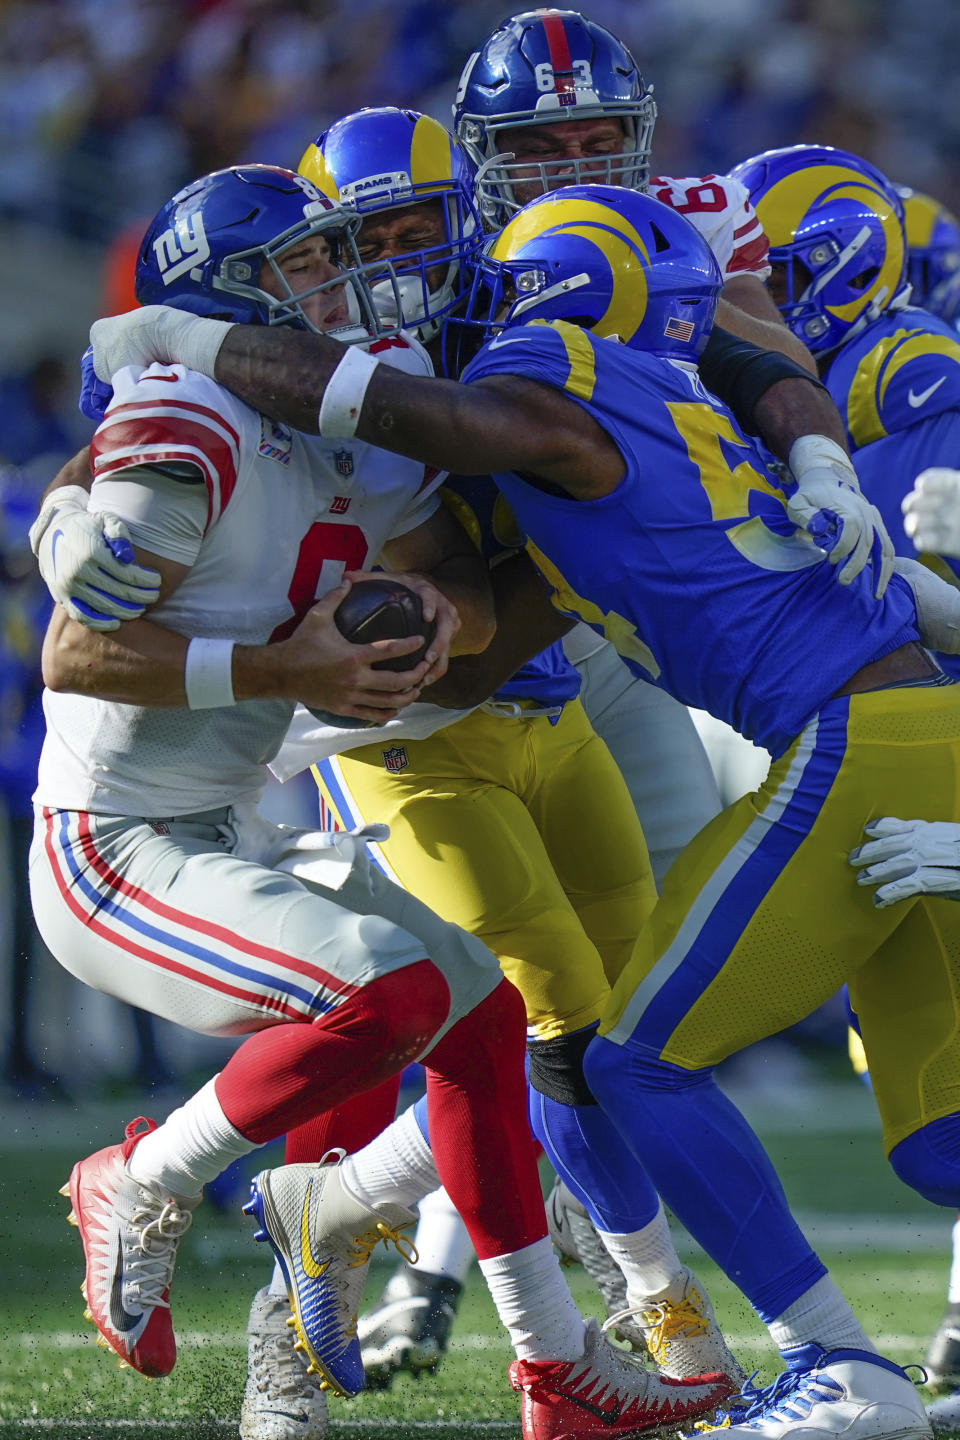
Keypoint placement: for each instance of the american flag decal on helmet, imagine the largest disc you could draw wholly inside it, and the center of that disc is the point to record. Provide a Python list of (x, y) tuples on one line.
[(678, 329)]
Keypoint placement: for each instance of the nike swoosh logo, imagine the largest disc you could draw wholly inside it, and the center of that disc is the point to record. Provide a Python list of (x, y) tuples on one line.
[(609, 1415), (55, 539), (311, 1266), (915, 401), (120, 1317)]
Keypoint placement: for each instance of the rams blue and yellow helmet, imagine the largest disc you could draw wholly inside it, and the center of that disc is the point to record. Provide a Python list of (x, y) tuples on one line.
[(387, 159), (615, 262), (205, 249), (837, 245), (933, 253)]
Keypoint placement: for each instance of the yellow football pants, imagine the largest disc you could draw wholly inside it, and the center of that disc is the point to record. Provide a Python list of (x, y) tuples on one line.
[(761, 918), (524, 833)]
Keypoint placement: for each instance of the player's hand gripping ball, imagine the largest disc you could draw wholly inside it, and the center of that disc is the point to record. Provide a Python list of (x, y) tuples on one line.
[(379, 610)]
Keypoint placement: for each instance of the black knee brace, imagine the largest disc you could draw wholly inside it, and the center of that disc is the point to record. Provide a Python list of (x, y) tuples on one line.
[(556, 1067)]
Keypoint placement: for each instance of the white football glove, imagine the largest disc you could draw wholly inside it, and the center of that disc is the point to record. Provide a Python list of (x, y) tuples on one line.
[(938, 606), (909, 857), (156, 332), (830, 507), (87, 562), (932, 511)]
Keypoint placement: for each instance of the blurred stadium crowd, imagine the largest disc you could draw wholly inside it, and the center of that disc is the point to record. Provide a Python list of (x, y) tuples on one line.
[(107, 106)]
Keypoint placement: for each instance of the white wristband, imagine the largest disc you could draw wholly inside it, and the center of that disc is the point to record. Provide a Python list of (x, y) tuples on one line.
[(207, 674), (344, 395)]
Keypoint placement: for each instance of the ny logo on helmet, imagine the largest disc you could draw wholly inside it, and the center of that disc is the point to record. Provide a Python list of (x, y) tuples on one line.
[(181, 249)]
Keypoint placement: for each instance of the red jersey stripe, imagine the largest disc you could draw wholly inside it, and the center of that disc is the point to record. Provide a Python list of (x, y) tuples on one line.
[(172, 433)]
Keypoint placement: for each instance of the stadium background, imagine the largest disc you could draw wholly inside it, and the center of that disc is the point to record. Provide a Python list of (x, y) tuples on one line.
[(106, 107)]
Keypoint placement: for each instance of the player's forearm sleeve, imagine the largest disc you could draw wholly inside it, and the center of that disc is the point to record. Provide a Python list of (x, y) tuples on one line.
[(740, 373)]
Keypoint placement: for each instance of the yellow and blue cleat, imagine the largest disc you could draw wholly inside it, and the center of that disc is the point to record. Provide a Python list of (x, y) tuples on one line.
[(323, 1238)]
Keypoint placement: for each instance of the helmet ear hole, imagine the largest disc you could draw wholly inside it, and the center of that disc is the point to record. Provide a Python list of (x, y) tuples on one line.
[(865, 278), (659, 239)]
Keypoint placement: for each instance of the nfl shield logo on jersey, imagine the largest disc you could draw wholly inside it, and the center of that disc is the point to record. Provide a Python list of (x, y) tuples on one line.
[(395, 759), (344, 462)]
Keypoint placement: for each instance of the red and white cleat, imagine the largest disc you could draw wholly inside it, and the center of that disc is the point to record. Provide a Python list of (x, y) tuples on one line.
[(130, 1234), (605, 1393)]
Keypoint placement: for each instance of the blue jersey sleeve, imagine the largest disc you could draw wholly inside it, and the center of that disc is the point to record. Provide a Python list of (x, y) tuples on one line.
[(550, 353)]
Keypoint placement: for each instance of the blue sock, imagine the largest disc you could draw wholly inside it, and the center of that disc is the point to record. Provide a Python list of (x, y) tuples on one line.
[(420, 1115), (710, 1169), (588, 1153), (929, 1161)]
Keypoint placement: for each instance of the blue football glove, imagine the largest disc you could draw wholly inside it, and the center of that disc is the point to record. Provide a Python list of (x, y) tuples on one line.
[(95, 395)]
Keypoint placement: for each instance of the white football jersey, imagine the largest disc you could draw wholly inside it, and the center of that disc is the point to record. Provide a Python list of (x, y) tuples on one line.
[(278, 518), (723, 212)]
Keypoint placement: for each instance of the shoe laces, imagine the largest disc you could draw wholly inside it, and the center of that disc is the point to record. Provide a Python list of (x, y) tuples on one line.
[(150, 1248), (364, 1244), (790, 1397), (666, 1321), (618, 1369)]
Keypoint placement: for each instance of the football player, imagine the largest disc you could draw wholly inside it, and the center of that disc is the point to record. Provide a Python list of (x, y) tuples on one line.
[(840, 278), (661, 525), (548, 98), (933, 253), (216, 919), (557, 891)]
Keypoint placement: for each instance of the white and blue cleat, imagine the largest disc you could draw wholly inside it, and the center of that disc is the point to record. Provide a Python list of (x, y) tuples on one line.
[(853, 1394), (323, 1238)]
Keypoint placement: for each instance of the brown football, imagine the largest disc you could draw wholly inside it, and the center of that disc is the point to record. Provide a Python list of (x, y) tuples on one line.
[(380, 609)]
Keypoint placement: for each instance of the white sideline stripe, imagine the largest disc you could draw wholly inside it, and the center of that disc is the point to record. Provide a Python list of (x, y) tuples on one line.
[(204, 1339), (367, 1426)]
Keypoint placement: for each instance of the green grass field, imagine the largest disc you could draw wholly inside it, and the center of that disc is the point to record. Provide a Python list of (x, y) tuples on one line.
[(887, 1249)]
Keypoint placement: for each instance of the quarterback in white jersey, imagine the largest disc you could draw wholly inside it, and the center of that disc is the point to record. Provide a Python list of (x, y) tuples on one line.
[(263, 521), (152, 881)]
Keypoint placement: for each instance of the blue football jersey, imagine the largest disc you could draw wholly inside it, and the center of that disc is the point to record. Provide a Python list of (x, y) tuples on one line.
[(901, 371), (485, 514), (691, 566), (897, 386)]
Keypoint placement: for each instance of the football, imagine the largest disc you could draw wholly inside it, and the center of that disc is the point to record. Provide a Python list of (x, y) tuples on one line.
[(381, 609)]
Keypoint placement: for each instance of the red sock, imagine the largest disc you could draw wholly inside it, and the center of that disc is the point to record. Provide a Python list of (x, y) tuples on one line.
[(477, 1109), (288, 1074), (347, 1127)]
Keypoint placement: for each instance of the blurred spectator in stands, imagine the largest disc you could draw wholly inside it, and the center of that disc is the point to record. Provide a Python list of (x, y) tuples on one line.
[(24, 609), (40, 426)]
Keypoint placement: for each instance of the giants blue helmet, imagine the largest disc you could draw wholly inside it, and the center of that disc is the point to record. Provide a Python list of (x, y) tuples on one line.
[(205, 249), (388, 159), (933, 253), (615, 262), (835, 227), (543, 66)]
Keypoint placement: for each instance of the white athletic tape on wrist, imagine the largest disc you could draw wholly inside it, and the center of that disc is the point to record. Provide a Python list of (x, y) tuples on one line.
[(207, 674), (344, 395), (199, 343), (811, 452), (64, 498)]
